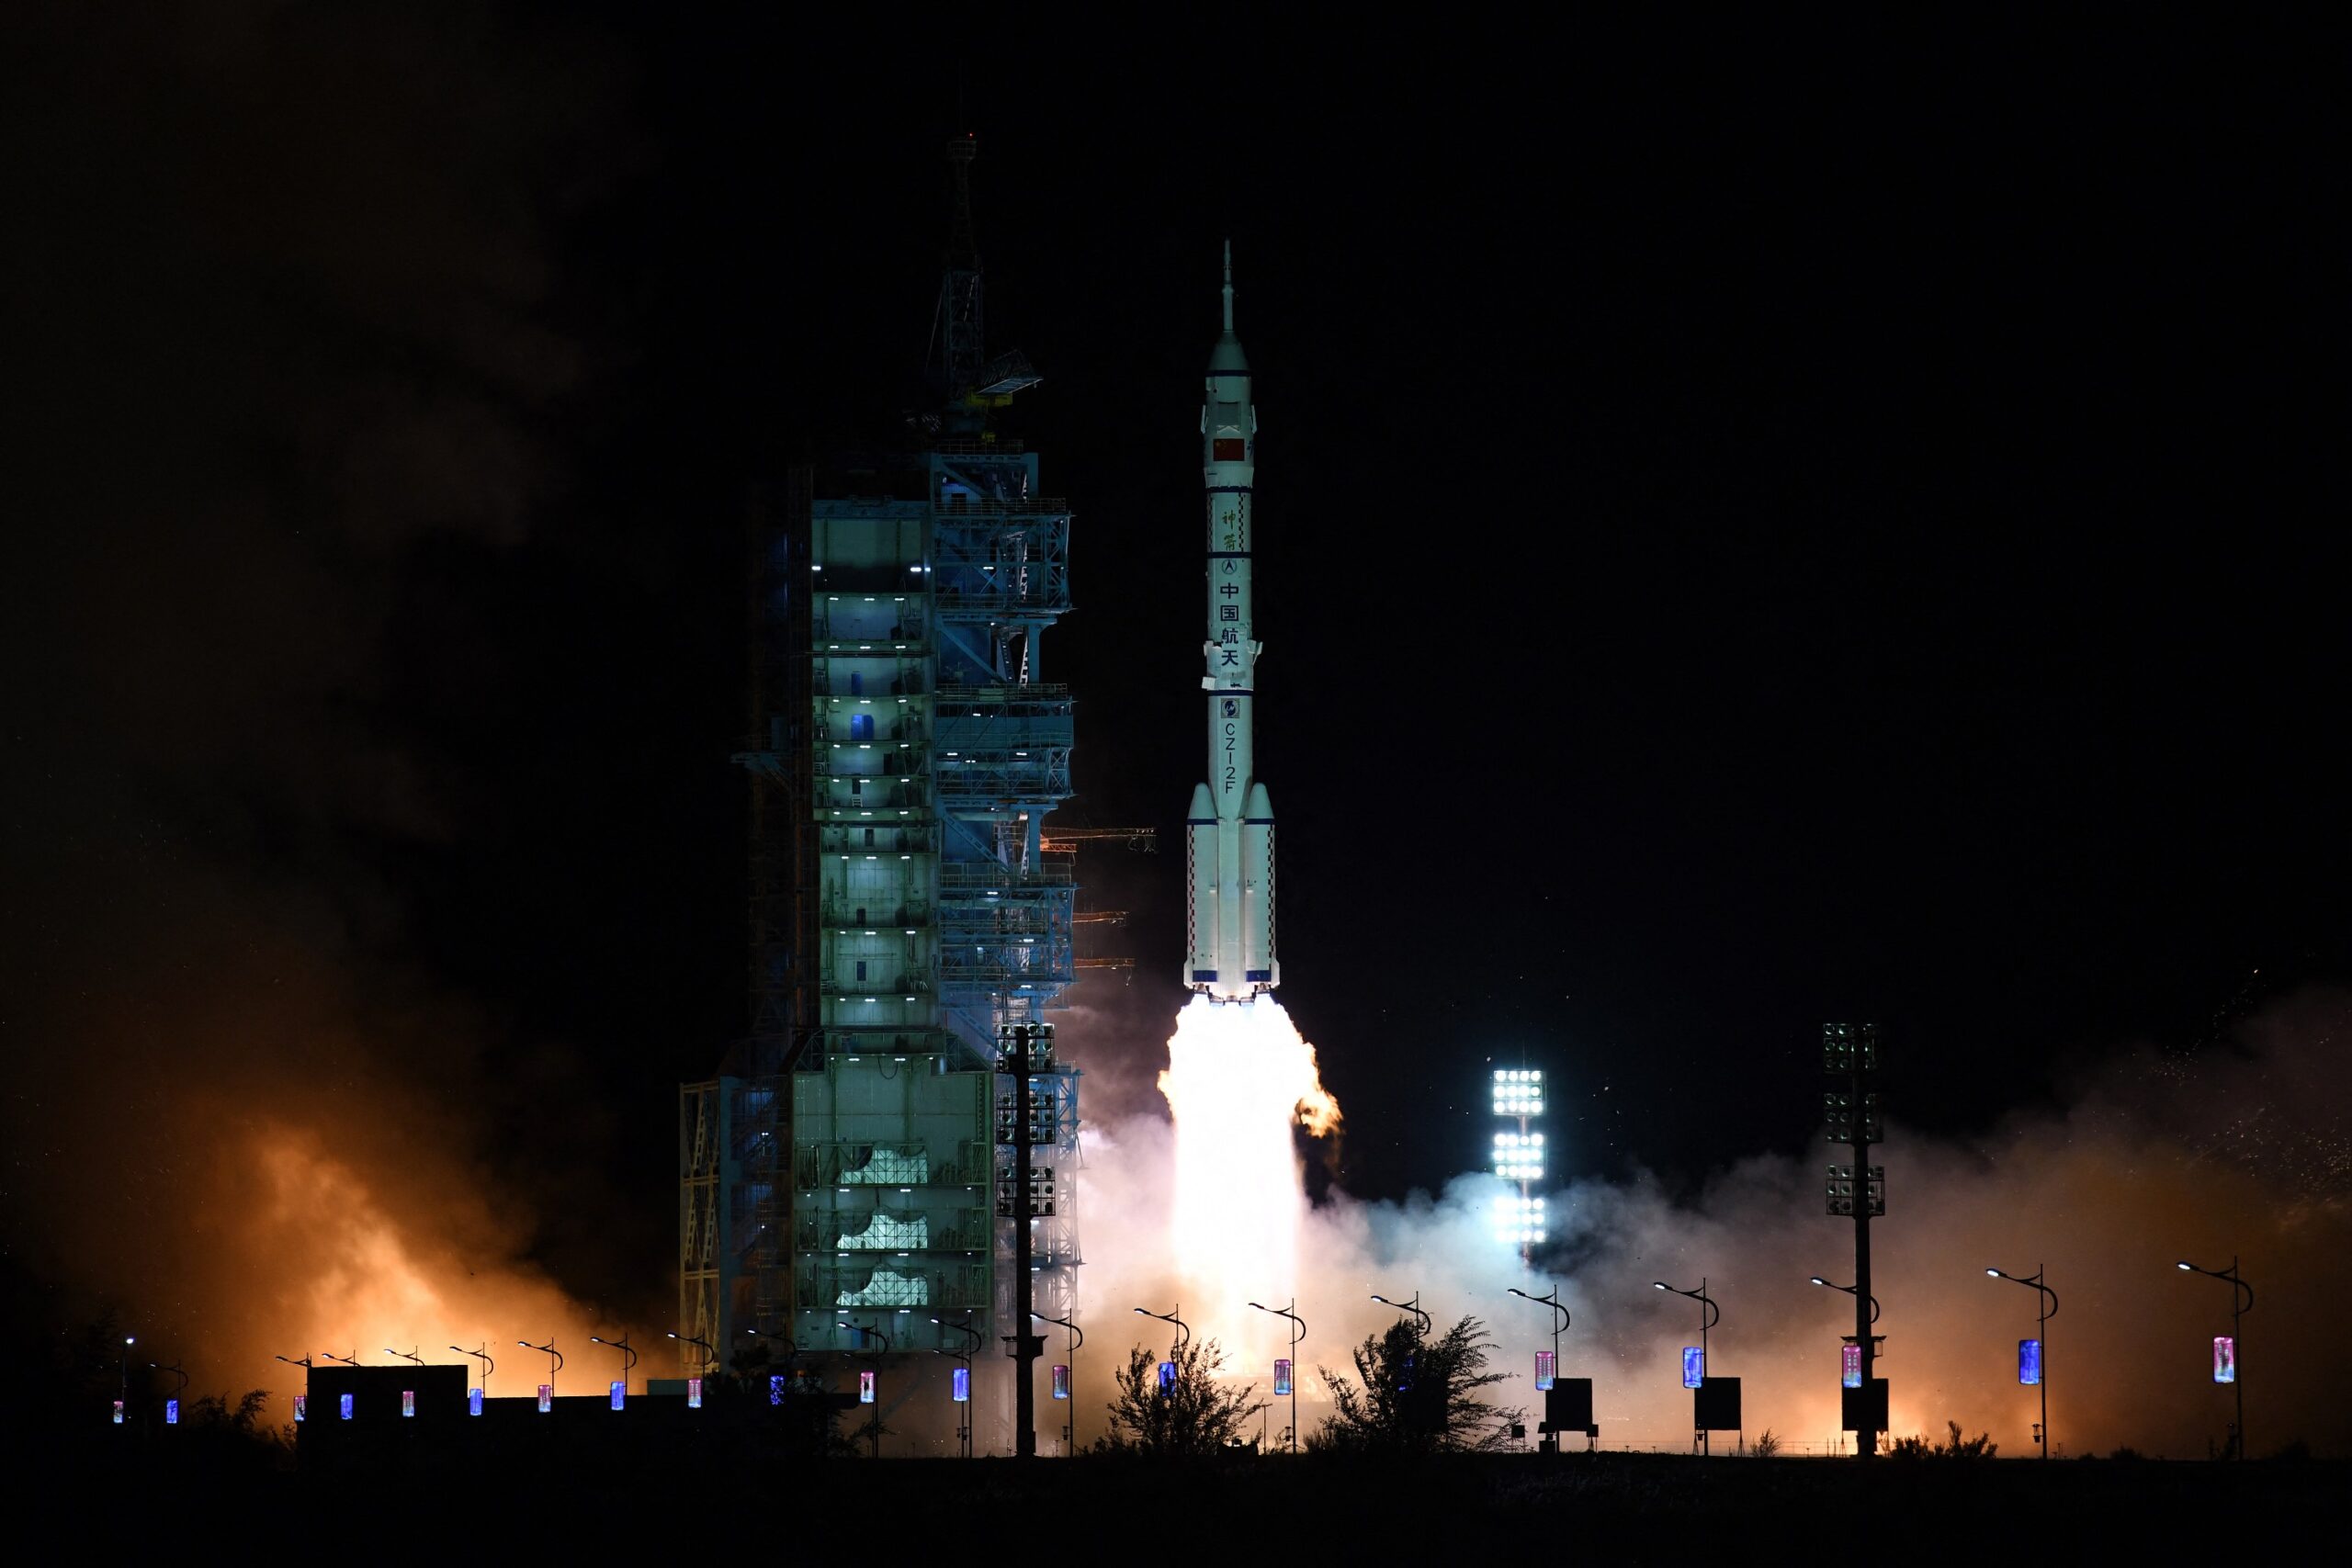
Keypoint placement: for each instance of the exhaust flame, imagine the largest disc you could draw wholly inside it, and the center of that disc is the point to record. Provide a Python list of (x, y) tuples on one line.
[(1238, 1078)]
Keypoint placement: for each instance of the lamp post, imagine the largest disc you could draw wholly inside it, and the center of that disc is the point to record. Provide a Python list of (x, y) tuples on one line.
[(2241, 1303), (963, 1360), (1851, 1290), (710, 1356), (1297, 1338), (2049, 1311), (1413, 1306), (180, 1388), (874, 1422), (628, 1365), (405, 1355), (1169, 1316), (350, 1361), (1709, 1314), (1561, 1320), (488, 1366), (1070, 1418), (1865, 1356), (555, 1360)]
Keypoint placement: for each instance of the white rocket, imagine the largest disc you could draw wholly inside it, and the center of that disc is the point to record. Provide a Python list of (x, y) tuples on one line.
[(1229, 833)]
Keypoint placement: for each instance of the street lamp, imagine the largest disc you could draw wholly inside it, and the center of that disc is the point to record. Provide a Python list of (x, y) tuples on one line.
[(2241, 1303), (1297, 1338), (964, 1361), (1710, 1314), (177, 1391), (621, 1345), (1070, 1418), (350, 1361), (1413, 1306), (875, 1424), (1550, 1299), (1169, 1316), (488, 1366), (710, 1356), (405, 1355), (1850, 1290), (2049, 1311), (555, 1360)]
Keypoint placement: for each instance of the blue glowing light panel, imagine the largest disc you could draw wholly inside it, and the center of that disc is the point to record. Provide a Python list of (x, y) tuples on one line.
[(1167, 1379), (1694, 1366), (620, 1394), (963, 1385), (1061, 1382), (693, 1393), (547, 1397), (866, 1388), (473, 1402), (117, 1411), (1852, 1356), (2030, 1361), (775, 1388), (301, 1407), (2225, 1358), (1547, 1370), (171, 1412), (1281, 1374), (345, 1404), (408, 1403)]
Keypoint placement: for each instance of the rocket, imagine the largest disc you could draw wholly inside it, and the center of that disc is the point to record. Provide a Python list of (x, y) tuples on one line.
[(1229, 832)]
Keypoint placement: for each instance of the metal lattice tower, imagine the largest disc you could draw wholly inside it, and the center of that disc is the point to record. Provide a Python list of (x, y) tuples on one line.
[(905, 753)]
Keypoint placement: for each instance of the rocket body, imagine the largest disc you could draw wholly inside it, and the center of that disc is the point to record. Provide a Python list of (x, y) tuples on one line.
[(1229, 830)]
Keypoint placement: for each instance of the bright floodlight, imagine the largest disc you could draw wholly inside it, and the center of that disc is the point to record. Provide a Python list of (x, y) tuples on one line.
[(1519, 1092), (1519, 1157), (1519, 1220)]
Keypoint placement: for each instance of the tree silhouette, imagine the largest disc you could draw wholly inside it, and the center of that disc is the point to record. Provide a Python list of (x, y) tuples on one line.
[(1412, 1395), (1195, 1415)]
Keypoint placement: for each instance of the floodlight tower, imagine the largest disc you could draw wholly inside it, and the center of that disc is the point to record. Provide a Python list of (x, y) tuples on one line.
[(1519, 1157)]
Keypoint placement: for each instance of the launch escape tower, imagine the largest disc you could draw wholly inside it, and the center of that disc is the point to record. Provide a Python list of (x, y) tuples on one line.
[(853, 1163)]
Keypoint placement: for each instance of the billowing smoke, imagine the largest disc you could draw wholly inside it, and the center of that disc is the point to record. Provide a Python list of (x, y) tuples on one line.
[(283, 351), (2239, 1151)]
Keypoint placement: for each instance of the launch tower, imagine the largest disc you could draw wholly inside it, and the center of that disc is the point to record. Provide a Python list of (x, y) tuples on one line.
[(853, 1163)]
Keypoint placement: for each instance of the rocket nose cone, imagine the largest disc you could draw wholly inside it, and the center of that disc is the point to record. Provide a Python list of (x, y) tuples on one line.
[(1258, 803), (1202, 808)]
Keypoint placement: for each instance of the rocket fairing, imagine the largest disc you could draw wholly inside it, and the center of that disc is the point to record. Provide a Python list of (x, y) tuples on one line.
[(1229, 832)]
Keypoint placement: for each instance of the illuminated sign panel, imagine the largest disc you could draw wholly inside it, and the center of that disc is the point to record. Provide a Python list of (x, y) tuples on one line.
[(117, 1411), (693, 1393), (547, 1397), (1281, 1374), (171, 1412), (1061, 1382), (866, 1388), (963, 1385), (620, 1394), (345, 1404), (1694, 1366), (301, 1407), (473, 1402), (1547, 1368), (1167, 1379), (408, 1403), (2225, 1358), (1852, 1358), (2030, 1361), (775, 1388)]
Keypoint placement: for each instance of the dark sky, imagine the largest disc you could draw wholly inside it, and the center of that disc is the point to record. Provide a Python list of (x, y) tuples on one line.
[(1754, 530)]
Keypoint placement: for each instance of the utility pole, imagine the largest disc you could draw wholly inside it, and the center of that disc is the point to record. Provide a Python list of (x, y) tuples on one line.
[(1849, 1052), (1022, 1050)]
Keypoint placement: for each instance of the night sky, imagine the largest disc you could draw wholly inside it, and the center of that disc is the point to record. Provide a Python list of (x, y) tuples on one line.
[(1753, 531)]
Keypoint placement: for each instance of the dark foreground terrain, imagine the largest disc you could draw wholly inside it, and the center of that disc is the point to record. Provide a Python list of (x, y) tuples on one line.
[(1634, 1508)]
